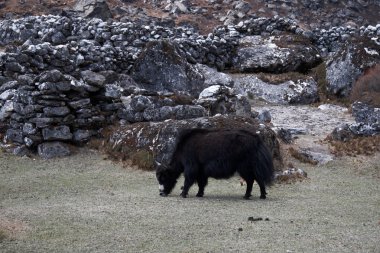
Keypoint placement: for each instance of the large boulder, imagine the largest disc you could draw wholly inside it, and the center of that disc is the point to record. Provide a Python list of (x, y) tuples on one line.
[(159, 139), (276, 54), (347, 64), (49, 150), (367, 123), (213, 77), (220, 99), (160, 67), (301, 91), (93, 9)]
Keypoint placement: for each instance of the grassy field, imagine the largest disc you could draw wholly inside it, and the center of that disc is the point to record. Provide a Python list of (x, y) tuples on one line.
[(85, 203)]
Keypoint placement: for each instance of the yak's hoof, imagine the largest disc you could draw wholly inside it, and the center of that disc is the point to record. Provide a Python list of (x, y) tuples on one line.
[(184, 195), (247, 196), (162, 194), (263, 197), (199, 195)]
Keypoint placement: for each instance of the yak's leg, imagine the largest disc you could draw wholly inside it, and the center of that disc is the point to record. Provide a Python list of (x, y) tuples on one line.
[(263, 193), (202, 182), (189, 181), (249, 188)]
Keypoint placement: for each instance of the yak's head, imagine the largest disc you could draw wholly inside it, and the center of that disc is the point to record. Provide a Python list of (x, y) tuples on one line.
[(167, 179)]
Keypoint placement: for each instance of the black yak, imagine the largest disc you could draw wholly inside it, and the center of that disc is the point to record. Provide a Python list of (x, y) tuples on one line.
[(202, 153)]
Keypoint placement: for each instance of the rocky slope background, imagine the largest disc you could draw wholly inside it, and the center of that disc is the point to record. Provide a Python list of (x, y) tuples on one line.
[(134, 73)]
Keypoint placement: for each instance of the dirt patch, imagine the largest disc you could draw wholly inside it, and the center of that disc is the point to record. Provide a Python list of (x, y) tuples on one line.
[(11, 229)]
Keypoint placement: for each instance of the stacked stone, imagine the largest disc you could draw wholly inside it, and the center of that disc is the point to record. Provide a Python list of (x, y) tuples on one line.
[(69, 44), (330, 40), (54, 107), (143, 106), (259, 26), (49, 28), (367, 123), (370, 30)]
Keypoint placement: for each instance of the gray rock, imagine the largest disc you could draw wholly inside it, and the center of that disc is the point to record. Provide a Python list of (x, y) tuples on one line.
[(78, 104), (55, 87), (57, 133), (140, 103), (256, 54), (290, 92), (316, 157), (58, 38), (51, 76), (14, 67), (56, 111), (9, 85), (189, 111), (161, 68), (219, 99), (363, 129), (8, 94), (21, 151), (181, 6), (6, 110), (213, 77), (285, 135), (82, 135), (264, 116), (347, 64), (14, 135), (29, 129), (93, 9), (365, 113), (93, 78), (367, 123), (3, 80), (340, 74), (48, 150)]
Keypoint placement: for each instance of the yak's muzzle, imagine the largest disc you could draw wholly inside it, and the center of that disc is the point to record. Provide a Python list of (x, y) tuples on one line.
[(161, 189)]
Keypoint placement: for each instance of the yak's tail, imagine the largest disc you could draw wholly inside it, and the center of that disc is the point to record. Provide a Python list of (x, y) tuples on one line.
[(264, 170)]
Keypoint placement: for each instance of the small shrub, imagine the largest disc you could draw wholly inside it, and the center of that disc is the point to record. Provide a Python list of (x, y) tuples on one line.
[(289, 179), (143, 159), (364, 145), (3, 235), (319, 74), (367, 88)]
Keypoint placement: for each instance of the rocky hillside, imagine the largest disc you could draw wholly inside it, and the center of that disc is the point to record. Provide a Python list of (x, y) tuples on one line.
[(66, 77), (206, 14)]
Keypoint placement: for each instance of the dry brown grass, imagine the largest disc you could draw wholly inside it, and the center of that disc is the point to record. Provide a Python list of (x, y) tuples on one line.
[(301, 157), (143, 159), (367, 145), (367, 88), (11, 229), (290, 179)]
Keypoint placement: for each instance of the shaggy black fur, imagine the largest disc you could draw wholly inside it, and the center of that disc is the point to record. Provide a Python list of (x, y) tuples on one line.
[(202, 153)]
